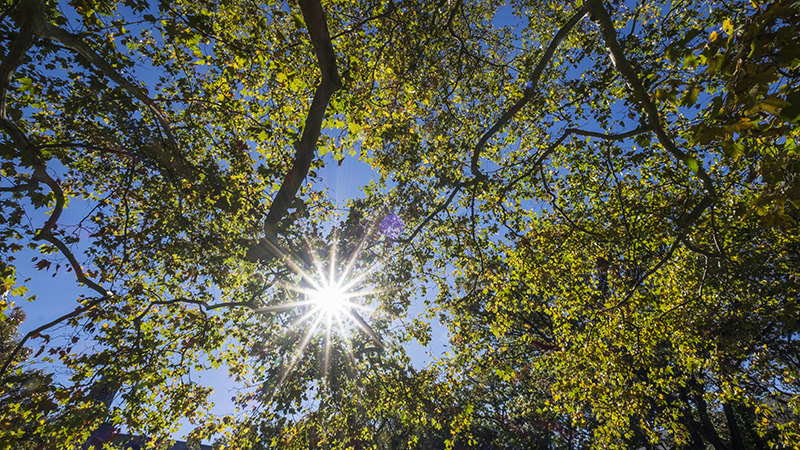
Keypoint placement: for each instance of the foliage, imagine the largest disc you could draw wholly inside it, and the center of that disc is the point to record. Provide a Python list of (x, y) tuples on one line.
[(29, 409), (606, 197)]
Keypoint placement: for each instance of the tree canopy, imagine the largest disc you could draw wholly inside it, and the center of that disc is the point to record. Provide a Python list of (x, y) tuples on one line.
[(599, 200)]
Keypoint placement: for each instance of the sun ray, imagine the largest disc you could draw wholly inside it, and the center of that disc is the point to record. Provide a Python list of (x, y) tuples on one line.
[(327, 361), (357, 252), (332, 266), (284, 307), (327, 292), (364, 326), (308, 315), (299, 352)]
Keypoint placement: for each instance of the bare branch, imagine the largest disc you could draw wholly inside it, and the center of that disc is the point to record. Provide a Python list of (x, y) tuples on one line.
[(435, 213), (20, 187), (40, 174), (46, 235), (389, 10), (570, 131), (32, 333)]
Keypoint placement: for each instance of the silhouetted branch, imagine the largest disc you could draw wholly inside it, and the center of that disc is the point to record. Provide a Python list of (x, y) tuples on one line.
[(436, 212), (570, 131), (389, 10), (317, 27), (20, 187), (32, 333)]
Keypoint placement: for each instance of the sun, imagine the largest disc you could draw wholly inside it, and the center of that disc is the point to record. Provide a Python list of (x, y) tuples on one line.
[(331, 300), (326, 295)]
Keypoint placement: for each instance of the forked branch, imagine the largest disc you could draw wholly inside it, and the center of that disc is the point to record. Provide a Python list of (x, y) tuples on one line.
[(317, 27), (530, 88)]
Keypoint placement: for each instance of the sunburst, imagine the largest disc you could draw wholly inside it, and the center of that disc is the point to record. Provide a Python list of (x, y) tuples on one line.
[(329, 296)]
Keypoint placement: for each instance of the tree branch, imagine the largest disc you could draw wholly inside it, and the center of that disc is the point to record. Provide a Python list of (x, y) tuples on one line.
[(40, 174), (684, 230), (317, 27), (430, 216), (46, 235), (87, 147), (630, 76), (12, 60), (569, 131), (529, 90), (38, 330), (20, 187), (389, 10), (563, 213), (45, 30), (30, 155)]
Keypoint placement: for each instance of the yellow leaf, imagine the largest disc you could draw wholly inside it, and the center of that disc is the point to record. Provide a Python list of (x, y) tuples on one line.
[(740, 125), (727, 27)]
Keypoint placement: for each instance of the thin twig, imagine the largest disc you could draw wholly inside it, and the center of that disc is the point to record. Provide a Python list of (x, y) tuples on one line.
[(50, 324)]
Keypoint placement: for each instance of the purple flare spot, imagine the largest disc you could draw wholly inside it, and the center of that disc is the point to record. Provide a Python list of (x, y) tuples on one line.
[(392, 226)]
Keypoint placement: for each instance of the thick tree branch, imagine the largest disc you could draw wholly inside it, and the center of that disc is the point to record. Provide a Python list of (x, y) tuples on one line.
[(40, 174), (630, 76), (530, 89), (317, 27), (366, 328)]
